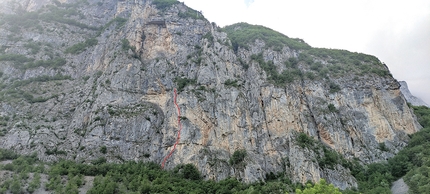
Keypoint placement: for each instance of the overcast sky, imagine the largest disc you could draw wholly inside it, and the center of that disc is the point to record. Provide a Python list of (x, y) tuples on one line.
[(397, 32)]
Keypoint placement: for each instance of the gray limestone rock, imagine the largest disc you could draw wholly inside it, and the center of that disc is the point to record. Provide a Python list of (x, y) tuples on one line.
[(118, 93), (409, 97)]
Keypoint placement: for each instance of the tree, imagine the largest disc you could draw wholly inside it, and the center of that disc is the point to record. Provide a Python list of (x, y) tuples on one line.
[(319, 188), (191, 172), (15, 188), (34, 184)]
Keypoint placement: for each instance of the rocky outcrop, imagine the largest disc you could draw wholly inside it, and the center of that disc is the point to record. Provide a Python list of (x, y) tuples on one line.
[(119, 94), (409, 97), (399, 187)]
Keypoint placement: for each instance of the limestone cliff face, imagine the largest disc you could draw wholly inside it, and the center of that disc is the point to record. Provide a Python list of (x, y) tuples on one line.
[(409, 97), (120, 95)]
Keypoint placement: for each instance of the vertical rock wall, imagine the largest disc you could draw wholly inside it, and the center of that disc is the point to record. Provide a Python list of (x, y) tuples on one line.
[(121, 96)]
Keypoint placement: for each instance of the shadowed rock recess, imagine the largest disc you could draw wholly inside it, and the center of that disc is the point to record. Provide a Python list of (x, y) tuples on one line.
[(76, 75)]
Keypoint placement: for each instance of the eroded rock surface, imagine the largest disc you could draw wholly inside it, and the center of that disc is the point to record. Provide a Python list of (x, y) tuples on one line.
[(119, 94), (409, 97)]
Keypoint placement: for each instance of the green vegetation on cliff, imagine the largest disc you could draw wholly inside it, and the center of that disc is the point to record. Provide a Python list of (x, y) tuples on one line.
[(26, 89), (67, 176), (319, 188), (50, 14), (415, 160), (164, 4), (129, 177), (80, 47), (412, 162), (279, 79), (243, 34), (315, 62)]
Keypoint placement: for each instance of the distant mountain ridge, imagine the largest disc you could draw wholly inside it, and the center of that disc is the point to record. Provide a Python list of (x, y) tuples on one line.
[(409, 97)]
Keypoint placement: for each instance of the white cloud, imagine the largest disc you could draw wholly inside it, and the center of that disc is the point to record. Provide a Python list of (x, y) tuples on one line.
[(397, 32), (248, 2)]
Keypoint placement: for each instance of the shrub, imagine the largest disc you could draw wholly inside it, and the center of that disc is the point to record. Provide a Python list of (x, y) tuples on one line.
[(183, 82), (334, 87), (55, 151), (323, 72), (316, 66), (383, 147), (7, 154), (54, 63), (82, 46), (103, 149), (99, 161), (34, 47), (34, 184), (238, 157), (209, 37), (9, 167), (310, 75), (232, 83), (31, 99), (16, 186), (330, 158), (54, 183), (126, 45), (15, 58), (291, 62), (332, 108), (304, 140)]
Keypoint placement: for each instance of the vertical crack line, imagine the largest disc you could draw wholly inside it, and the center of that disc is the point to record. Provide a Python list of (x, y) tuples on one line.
[(305, 97), (179, 131)]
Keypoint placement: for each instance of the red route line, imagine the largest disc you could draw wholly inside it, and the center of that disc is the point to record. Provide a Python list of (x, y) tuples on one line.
[(179, 131)]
